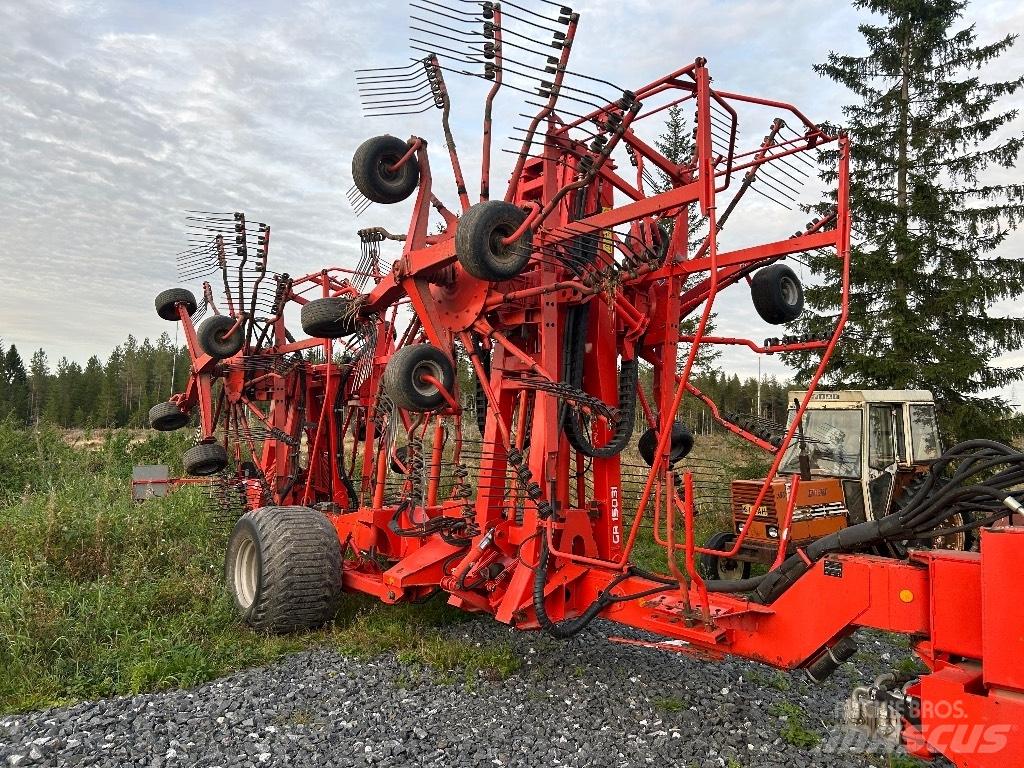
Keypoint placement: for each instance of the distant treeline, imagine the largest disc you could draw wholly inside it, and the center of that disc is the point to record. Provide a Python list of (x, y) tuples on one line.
[(137, 375), (115, 393)]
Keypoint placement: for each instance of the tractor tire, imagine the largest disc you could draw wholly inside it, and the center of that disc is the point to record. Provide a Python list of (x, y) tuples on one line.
[(167, 303), (478, 241), (213, 340), (204, 459), (777, 294), (370, 172), (716, 568), (328, 318), (680, 446), (167, 417), (403, 383), (283, 569)]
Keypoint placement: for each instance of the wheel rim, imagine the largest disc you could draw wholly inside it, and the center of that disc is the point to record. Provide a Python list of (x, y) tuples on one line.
[(790, 291), (423, 387), (729, 569), (384, 168), (503, 255), (953, 541), (246, 573)]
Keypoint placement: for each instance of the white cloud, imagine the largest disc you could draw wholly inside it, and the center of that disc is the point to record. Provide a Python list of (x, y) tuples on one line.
[(115, 117)]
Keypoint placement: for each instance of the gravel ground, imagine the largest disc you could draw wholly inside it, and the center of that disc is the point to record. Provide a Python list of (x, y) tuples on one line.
[(585, 702)]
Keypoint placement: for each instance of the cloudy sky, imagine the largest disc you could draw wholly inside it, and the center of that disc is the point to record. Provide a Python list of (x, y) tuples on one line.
[(116, 117)]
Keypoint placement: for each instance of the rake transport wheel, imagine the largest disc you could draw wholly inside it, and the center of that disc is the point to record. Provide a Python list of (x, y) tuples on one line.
[(372, 174), (283, 569), (167, 303), (478, 241), (204, 459), (723, 568), (167, 417), (214, 339), (777, 294), (403, 377), (681, 443), (329, 318)]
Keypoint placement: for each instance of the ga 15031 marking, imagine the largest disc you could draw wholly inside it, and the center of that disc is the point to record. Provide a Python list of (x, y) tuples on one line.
[(616, 524)]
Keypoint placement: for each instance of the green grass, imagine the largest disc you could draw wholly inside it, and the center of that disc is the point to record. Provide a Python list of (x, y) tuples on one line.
[(669, 704), (794, 731), (100, 596)]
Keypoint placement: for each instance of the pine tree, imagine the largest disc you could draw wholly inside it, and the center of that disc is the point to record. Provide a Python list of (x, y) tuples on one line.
[(924, 268), (17, 385), (4, 394), (38, 380), (676, 143)]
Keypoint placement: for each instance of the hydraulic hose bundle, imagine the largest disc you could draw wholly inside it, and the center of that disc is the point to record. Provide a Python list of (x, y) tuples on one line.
[(985, 484)]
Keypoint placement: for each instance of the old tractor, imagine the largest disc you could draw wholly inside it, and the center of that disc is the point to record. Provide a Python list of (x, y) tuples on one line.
[(447, 417), (860, 454)]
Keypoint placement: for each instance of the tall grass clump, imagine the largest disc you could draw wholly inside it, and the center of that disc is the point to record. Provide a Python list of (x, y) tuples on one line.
[(102, 596), (99, 595)]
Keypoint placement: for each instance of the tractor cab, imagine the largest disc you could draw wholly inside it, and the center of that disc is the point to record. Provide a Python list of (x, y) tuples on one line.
[(863, 449), (875, 442)]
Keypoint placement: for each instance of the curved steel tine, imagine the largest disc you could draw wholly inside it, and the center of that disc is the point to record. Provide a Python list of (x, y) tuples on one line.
[(410, 102), (435, 33), (431, 8), (386, 69), (397, 114)]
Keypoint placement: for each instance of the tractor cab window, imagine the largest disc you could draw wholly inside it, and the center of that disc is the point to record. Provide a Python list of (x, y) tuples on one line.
[(924, 433), (881, 438), (833, 443)]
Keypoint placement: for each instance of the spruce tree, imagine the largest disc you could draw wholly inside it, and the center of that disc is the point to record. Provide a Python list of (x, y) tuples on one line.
[(925, 268), (677, 144), (17, 385)]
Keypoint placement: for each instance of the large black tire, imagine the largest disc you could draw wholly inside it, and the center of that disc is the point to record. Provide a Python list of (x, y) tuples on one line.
[(329, 318), (777, 294), (478, 241), (283, 569), (204, 459), (167, 303), (370, 171), (213, 339), (167, 417), (723, 568), (402, 379), (680, 445)]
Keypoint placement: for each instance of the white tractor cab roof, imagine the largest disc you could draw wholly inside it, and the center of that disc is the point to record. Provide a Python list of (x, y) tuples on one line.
[(823, 399)]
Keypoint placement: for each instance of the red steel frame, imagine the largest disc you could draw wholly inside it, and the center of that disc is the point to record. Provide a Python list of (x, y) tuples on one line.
[(955, 605)]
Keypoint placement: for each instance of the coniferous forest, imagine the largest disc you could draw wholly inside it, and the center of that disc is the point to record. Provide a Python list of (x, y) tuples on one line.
[(118, 391), (115, 392)]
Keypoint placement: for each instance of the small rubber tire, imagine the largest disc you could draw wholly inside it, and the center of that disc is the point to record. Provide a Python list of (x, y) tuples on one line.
[(715, 568), (478, 241), (681, 443), (167, 303), (283, 569), (777, 294), (370, 172), (328, 318), (204, 459), (214, 342), (400, 459), (402, 377), (167, 417)]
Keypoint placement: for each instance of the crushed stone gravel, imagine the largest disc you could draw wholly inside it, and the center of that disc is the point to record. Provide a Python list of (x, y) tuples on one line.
[(584, 702)]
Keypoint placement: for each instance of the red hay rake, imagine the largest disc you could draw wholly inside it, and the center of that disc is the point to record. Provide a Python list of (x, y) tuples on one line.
[(357, 449)]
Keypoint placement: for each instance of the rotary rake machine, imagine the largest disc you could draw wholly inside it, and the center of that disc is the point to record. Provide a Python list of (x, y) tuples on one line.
[(455, 421)]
